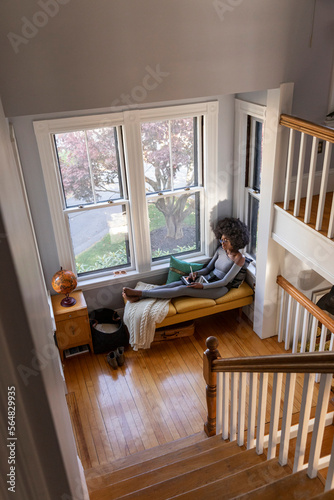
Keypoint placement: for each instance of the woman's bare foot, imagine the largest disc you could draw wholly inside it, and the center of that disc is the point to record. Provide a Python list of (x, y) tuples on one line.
[(131, 294)]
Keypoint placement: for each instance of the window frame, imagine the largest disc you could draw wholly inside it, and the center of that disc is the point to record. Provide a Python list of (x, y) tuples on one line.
[(138, 223), (242, 192)]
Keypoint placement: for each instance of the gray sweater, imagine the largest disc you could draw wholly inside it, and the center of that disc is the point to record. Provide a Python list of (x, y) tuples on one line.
[(222, 267)]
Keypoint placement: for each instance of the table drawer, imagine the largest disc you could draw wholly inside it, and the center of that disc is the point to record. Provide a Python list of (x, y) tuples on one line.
[(64, 316), (73, 332)]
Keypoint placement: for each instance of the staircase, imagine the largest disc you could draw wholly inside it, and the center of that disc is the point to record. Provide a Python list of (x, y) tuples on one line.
[(199, 468)]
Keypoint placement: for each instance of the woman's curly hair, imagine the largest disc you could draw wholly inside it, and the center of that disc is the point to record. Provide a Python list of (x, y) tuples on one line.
[(234, 230)]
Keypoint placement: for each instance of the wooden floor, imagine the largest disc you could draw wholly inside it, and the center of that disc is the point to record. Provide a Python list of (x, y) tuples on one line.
[(157, 396), (314, 208)]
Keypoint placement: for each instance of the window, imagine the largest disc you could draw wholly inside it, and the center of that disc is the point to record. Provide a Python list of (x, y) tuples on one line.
[(171, 159), (249, 137), (253, 179), (127, 190), (91, 175)]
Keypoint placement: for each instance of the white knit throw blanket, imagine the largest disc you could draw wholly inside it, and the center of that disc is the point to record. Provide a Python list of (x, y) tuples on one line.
[(142, 316)]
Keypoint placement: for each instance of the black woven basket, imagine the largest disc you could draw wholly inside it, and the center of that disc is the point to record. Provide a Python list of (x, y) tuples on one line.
[(104, 342)]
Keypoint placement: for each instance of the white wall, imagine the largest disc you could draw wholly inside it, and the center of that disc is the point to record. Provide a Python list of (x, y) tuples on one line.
[(302, 276)]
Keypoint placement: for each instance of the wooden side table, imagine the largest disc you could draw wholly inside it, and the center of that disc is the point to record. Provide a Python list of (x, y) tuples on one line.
[(72, 323)]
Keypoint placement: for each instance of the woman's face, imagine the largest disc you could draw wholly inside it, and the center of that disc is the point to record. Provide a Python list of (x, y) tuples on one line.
[(226, 244)]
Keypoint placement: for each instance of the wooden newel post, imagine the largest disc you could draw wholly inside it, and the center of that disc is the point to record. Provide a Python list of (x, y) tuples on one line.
[(210, 378)]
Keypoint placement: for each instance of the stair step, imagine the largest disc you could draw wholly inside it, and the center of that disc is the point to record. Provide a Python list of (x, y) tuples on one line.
[(146, 455), (239, 483), (145, 462), (165, 472), (297, 485), (196, 478)]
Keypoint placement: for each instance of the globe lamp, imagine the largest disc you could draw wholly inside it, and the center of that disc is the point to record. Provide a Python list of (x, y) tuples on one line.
[(65, 282)]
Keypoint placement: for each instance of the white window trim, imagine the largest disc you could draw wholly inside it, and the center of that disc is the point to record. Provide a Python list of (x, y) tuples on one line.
[(242, 110), (130, 121)]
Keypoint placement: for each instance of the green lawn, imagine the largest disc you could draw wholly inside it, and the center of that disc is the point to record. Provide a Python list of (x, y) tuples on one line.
[(98, 256)]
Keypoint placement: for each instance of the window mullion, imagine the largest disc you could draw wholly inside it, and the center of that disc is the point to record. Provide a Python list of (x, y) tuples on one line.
[(122, 162), (210, 173), (170, 157), (136, 186)]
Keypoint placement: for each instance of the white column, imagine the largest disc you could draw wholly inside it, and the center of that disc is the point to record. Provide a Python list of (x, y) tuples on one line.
[(269, 254)]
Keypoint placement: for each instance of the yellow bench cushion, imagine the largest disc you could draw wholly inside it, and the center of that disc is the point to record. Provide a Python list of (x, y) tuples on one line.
[(186, 304), (171, 311), (244, 290)]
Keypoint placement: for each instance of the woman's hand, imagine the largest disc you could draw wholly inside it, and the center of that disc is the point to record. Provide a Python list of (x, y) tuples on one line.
[(196, 285), (192, 276)]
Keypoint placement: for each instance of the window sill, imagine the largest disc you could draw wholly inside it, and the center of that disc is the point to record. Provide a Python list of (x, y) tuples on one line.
[(87, 283)]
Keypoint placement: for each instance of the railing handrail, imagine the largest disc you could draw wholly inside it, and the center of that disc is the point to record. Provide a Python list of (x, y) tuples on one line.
[(316, 362), (306, 363), (307, 127), (312, 308)]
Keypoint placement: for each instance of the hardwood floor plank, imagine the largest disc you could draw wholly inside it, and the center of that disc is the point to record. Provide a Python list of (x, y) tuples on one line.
[(144, 398), (167, 391), (180, 379), (158, 406), (93, 413), (85, 410), (125, 420), (78, 430)]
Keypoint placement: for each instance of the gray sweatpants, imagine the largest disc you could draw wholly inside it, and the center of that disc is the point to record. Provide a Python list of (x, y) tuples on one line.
[(178, 289)]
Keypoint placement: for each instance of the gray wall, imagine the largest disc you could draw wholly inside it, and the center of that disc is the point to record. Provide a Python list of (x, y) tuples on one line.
[(87, 54)]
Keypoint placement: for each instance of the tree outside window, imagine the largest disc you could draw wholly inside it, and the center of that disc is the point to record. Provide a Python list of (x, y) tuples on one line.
[(170, 158)]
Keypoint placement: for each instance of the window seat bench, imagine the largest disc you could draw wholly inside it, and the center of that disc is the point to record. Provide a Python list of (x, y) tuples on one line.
[(183, 309)]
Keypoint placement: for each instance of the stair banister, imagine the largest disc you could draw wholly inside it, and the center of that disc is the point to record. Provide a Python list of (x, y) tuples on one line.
[(300, 320), (313, 362), (306, 127), (306, 183), (309, 364), (312, 308)]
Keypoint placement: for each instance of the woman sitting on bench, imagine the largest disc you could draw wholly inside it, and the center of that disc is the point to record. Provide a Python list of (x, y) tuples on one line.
[(224, 266)]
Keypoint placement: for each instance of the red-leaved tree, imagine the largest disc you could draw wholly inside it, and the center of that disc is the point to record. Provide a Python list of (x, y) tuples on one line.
[(90, 170), (168, 154)]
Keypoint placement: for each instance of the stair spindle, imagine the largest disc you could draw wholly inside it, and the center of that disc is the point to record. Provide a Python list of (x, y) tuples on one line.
[(319, 424), (303, 421)]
